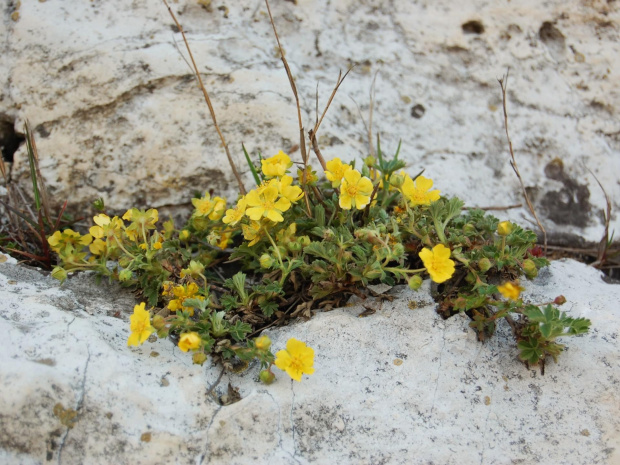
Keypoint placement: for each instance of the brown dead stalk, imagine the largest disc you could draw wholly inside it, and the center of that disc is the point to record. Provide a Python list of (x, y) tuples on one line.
[(291, 80), (208, 100), (513, 162), (605, 243)]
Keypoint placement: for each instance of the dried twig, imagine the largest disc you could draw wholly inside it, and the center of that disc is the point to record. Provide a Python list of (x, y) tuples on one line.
[(513, 162), (507, 207), (302, 136), (313, 132), (603, 246), (370, 112), (208, 100)]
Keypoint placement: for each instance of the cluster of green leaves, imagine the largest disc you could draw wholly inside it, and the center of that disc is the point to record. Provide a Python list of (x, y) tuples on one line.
[(226, 275)]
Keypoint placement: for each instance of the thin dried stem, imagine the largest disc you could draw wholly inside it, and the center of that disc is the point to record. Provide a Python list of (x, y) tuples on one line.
[(370, 112), (302, 135), (507, 207), (208, 100), (313, 132), (513, 162), (605, 242)]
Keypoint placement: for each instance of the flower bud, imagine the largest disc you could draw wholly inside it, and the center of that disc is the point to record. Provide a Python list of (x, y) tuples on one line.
[(124, 261), (304, 241), (162, 333), (397, 180), (262, 343), (484, 264), (158, 322), (415, 282), (184, 235), (470, 278), (469, 228), (559, 300), (199, 358), (266, 376), (504, 228), (370, 161), (59, 273), (125, 275), (99, 204), (294, 246), (529, 268), (266, 261)]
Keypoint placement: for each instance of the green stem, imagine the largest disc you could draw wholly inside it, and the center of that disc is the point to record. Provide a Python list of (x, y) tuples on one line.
[(404, 270), (123, 248)]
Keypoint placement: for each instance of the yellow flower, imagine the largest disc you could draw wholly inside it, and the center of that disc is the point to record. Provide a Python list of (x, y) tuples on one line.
[(265, 205), (335, 171), (60, 240), (234, 215), (98, 247), (276, 165), (252, 232), (140, 325), (181, 293), (147, 218), (157, 245), (504, 228), (287, 190), (296, 360), (510, 290), (437, 262), (355, 190), (189, 341), (224, 240), (417, 191), (212, 208)]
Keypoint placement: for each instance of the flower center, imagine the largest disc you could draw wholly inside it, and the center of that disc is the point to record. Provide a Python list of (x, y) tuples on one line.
[(352, 190)]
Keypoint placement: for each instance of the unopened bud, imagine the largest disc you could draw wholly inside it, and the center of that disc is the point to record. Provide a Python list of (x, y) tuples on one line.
[(529, 268), (99, 204), (397, 180), (294, 246), (469, 228), (59, 273), (266, 261), (266, 376), (504, 228), (262, 343), (158, 322), (184, 235), (199, 358), (484, 264), (415, 282), (559, 300), (370, 161), (162, 333), (304, 241)]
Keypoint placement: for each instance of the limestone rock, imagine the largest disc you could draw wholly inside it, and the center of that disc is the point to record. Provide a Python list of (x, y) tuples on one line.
[(401, 386), (118, 114)]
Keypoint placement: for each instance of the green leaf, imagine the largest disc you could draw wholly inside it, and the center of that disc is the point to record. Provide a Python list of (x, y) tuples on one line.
[(530, 351), (268, 307), (251, 166), (239, 330)]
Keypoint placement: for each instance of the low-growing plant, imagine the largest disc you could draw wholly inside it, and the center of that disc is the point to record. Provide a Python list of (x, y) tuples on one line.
[(301, 241)]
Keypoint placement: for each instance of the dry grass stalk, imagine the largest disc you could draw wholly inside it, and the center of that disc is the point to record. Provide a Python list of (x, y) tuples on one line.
[(513, 162), (302, 136), (605, 243), (208, 100), (313, 132)]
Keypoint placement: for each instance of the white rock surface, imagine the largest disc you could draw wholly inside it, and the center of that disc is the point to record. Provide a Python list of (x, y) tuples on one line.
[(401, 386), (118, 115)]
